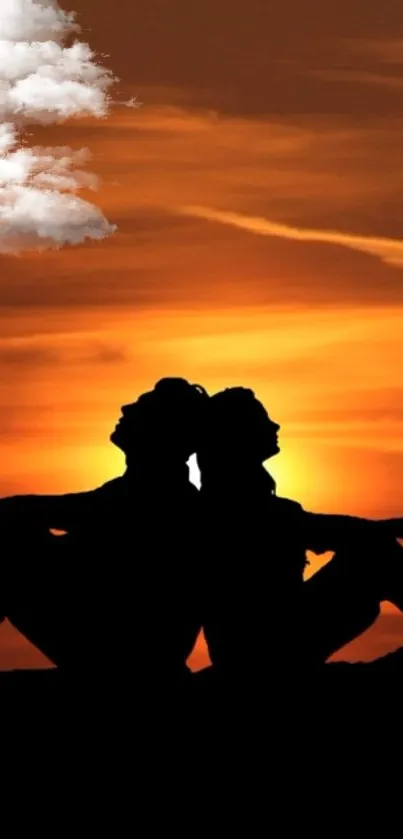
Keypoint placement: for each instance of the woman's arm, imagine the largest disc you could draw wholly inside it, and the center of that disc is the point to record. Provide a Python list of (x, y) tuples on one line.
[(328, 532)]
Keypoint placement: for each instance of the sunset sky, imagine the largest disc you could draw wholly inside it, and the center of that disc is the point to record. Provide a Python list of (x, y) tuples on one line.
[(258, 194)]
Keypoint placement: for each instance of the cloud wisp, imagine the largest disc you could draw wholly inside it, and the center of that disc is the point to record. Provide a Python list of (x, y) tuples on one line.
[(387, 250)]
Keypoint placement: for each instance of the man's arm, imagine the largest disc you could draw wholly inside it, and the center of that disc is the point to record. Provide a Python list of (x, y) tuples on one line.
[(45, 512), (329, 533)]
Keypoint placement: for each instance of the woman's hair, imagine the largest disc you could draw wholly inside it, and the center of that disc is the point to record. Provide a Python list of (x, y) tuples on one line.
[(231, 416), (228, 411)]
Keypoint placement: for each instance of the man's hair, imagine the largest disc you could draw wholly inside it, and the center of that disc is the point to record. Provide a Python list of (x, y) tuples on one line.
[(173, 395), (175, 409), (179, 388)]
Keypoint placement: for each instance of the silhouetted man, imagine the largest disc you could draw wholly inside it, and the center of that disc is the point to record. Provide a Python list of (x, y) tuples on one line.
[(258, 609), (119, 589)]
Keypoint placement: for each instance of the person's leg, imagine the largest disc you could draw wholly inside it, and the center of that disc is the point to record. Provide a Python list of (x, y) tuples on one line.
[(342, 600)]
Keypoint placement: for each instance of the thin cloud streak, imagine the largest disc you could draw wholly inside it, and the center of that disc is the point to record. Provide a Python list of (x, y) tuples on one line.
[(389, 251)]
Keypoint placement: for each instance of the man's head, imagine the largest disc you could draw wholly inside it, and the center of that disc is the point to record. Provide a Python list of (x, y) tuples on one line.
[(163, 423), (237, 428)]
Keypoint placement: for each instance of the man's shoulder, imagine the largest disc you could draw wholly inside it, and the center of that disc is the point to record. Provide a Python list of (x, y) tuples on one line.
[(92, 498), (287, 506), (116, 486), (122, 486)]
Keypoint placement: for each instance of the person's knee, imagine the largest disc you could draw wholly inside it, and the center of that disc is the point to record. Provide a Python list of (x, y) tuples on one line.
[(358, 572), (364, 556)]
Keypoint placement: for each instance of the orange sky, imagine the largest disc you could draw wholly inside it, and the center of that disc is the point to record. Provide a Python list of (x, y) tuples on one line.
[(264, 128)]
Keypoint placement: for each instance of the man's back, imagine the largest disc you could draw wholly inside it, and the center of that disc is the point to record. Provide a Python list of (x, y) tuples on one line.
[(126, 568)]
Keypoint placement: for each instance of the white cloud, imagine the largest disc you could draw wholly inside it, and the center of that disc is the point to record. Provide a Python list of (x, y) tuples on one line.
[(43, 82)]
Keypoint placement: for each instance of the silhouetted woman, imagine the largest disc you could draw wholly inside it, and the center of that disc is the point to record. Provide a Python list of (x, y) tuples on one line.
[(259, 611)]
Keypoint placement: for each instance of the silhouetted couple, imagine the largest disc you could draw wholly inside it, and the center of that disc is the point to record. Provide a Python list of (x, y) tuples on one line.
[(148, 560)]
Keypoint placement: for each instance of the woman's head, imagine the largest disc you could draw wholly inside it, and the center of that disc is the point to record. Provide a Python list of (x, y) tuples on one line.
[(236, 429), (163, 423)]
